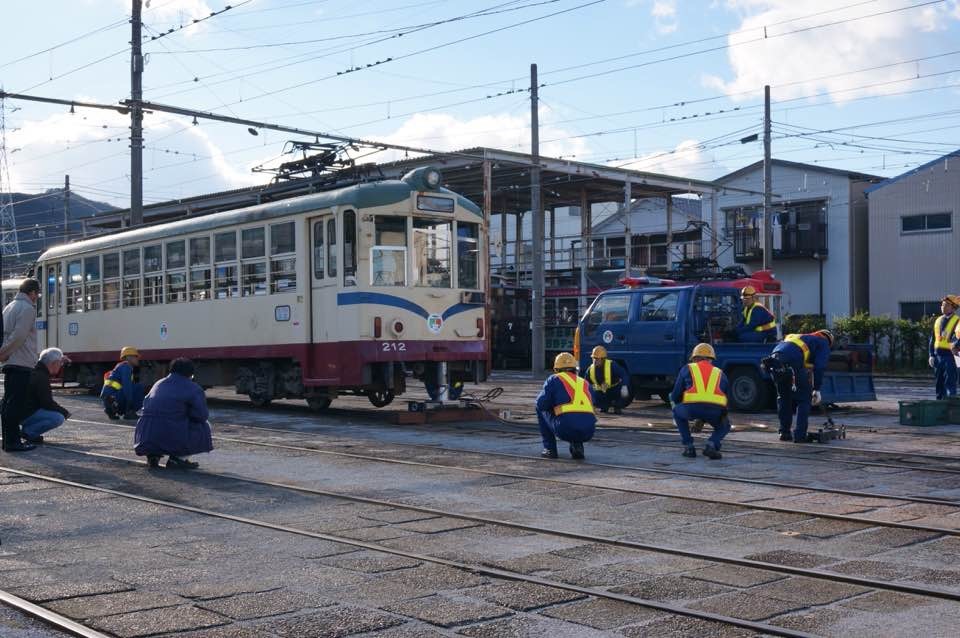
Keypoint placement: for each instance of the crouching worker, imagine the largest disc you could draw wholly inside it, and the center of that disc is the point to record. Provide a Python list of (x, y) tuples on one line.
[(701, 393), (43, 413), (606, 381), (121, 394), (565, 409), (174, 421)]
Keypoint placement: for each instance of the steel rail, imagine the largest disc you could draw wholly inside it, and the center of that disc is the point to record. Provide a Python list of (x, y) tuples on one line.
[(53, 619), (590, 538), (760, 627), (754, 506)]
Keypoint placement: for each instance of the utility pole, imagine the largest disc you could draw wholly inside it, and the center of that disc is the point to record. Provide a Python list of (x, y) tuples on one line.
[(767, 187), (627, 227), (136, 118), (66, 208), (536, 208)]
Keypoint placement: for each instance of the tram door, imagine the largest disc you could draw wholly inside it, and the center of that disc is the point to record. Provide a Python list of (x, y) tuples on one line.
[(51, 299), (324, 267)]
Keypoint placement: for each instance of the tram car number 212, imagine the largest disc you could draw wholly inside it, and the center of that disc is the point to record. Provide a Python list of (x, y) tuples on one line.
[(348, 291)]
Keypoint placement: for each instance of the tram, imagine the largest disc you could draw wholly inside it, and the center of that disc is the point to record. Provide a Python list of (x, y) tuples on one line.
[(348, 291)]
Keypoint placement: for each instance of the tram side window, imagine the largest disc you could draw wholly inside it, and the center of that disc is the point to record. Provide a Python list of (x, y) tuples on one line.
[(225, 256), (42, 292), (253, 269), (91, 276), (431, 253), (176, 281), (74, 286), (388, 255), (331, 248), (283, 259), (318, 253), (152, 277), (349, 248), (468, 255), (131, 278), (111, 281), (199, 268)]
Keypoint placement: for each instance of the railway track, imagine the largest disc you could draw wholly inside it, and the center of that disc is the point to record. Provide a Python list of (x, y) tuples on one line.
[(485, 570), (562, 482), (55, 620)]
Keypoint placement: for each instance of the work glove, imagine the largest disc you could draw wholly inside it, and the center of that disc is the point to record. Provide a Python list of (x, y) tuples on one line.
[(815, 398), (932, 362), (624, 392)]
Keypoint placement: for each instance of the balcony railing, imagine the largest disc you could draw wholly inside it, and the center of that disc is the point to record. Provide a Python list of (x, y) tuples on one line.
[(795, 241)]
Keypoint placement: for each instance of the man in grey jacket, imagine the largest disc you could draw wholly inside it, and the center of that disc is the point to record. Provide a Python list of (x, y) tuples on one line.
[(18, 354)]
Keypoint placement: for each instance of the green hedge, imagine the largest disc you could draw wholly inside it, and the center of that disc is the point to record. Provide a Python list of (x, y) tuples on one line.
[(898, 344)]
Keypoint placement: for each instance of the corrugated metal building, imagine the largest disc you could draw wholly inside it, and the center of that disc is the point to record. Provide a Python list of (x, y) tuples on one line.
[(914, 242), (819, 233)]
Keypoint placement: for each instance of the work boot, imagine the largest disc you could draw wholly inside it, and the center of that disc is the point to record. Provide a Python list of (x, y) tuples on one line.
[(33, 439), (786, 436), (711, 452), (800, 439), (18, 447), (131, 416), (110, 407), (690, 452), (549, 454), (576, 450), (153, 460), (176, 462)]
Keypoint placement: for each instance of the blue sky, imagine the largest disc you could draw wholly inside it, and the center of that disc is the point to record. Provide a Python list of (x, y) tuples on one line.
[(659, 85)]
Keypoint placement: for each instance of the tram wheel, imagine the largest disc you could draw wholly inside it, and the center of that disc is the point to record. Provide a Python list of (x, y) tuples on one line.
[(318, 404), (380, 398), (260, 400)]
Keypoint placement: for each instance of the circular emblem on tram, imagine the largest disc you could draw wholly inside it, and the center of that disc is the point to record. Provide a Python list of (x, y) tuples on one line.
[(435, 324), (607, 336)]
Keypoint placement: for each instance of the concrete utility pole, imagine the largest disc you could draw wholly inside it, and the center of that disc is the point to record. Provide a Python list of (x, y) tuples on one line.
[(767, 186), (136, 118), (536, 208), (66, 208), (627, 227)]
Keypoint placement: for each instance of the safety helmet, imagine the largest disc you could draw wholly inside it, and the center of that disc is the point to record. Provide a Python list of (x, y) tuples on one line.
[(129, 351), (953, 300), (748, 291), (826, 334), (599, 353), (703, 350), (564, 361)]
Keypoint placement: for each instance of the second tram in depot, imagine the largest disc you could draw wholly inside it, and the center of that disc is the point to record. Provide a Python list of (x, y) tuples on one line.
[(348, 291)]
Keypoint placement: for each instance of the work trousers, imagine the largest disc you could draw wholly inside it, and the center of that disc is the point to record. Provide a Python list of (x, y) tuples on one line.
[(683, 413), (945, 367), (789, 401), (16, 383), (41, 421), (554, 427), (609, 399)]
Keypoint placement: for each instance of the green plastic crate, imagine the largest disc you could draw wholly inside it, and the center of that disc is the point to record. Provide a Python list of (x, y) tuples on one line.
[(953, 410), (924, 413)]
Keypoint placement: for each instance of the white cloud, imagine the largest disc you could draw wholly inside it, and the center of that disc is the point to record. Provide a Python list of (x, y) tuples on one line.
[(848, 46), (686, 158), (664, 13), (446, 132)]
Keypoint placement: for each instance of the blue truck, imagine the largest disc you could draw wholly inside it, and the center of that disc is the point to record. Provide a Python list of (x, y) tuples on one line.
[(651, 330)]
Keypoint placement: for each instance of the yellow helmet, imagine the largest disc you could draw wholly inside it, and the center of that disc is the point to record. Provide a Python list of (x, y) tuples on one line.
[(129, 351), (826, 334), (749, 291), (703, 350), (953, 300), (564, 361), (599, 353)]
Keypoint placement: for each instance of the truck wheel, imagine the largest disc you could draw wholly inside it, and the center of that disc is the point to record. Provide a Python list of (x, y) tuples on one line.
[(748, 392), (380, 398), (318, 404), (260, 400)]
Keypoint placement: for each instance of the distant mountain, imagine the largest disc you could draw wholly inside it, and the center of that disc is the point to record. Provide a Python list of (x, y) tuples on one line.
[(40, 224)]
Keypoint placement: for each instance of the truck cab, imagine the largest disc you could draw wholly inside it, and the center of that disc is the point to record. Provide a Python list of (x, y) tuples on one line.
[(650, 331)]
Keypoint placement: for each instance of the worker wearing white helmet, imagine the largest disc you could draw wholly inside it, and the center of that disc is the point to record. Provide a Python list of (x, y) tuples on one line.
[(757, 324), (701, 393), (565, 409)]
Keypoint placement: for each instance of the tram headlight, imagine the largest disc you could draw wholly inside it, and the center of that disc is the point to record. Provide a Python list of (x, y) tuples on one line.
[(432, 178), (397, 327)]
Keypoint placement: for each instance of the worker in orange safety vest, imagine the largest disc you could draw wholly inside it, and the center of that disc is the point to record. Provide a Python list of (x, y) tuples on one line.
[(701, 393), (565, 409)]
